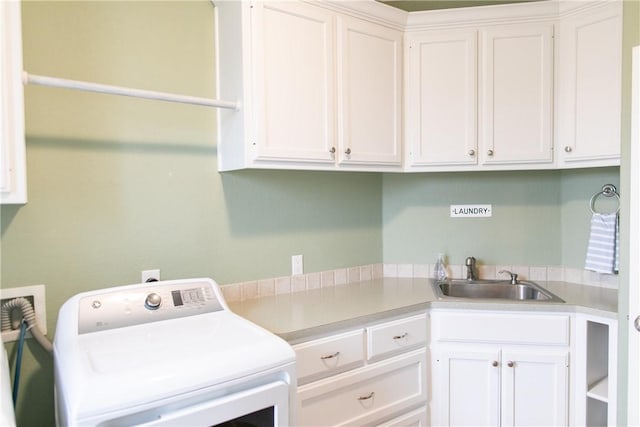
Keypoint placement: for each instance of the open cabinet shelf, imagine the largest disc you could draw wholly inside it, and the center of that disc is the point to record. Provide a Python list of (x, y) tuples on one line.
[(596, 392), (599, 390)]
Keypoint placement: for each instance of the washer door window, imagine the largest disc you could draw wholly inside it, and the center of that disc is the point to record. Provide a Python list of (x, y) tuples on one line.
[(263, 417), (262, 406)]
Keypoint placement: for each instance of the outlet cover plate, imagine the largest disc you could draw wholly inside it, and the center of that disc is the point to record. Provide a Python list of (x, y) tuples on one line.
[(297, 267)]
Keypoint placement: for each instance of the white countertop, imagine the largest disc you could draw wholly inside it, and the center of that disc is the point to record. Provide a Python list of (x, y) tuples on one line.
[(301, 315)]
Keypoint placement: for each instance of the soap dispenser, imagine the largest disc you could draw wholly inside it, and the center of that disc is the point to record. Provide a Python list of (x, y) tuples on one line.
[(440, 269)]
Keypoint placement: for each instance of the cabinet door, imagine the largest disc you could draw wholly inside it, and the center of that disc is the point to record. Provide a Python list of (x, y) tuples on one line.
[(590, 87), (417, 418), (13, 175), (294, 103), (535, 387), (441, 96), (467, 386), (369, 88), (516, 106)]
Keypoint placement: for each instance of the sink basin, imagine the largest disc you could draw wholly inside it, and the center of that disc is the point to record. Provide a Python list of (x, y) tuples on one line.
[(493, 289)]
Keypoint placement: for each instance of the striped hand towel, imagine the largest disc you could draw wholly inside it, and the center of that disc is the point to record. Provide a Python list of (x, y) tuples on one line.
[(602, 251)]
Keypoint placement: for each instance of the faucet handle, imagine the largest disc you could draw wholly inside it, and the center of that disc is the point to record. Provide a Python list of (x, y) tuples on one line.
[(514, 276)]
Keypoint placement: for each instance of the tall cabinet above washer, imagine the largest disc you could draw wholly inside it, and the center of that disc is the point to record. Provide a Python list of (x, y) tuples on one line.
[(320, 85), (13, 173)]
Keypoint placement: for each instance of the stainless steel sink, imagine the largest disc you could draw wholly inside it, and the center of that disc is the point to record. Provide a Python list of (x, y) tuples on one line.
[(493, 289)]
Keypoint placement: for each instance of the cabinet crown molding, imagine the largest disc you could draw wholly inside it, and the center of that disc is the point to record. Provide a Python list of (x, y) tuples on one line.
[(537, 11)]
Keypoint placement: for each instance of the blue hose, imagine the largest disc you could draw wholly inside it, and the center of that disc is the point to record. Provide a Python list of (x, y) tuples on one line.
[(16, 377)]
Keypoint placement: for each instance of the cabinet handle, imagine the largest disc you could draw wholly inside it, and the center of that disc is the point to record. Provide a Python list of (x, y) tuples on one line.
[(347, 151), (330, 356), (367, 397), (489, 152), (494, 363), (568, 149), (333, 150), (510, 364), (399, 337), (471, 152)]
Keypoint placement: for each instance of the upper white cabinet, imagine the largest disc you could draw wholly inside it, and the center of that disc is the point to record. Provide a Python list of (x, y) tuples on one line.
[(321, 85), (13, 186), (589, 86), (480, 97), (516, 95), (320, 89), (441, 98), (370, 91), (292, 50)]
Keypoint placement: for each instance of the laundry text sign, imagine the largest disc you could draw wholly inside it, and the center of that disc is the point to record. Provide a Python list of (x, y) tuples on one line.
[(470, 211)]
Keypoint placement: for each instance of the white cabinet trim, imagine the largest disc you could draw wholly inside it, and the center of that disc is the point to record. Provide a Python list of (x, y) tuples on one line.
[(13, 185)]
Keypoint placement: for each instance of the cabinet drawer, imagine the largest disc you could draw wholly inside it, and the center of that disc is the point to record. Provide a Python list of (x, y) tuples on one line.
[(365, 395), (511, 328), (396, 335), (327, 356), (417, 418)]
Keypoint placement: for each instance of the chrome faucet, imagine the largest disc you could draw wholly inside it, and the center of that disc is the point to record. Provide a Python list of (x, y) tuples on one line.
[(514, 276), (470, 262)]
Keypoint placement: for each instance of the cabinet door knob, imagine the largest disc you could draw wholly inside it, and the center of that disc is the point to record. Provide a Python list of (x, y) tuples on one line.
[(489, 152), (471, 152), (494, 363), (567, 149), (333, 150), (510, 364), (347, 151)]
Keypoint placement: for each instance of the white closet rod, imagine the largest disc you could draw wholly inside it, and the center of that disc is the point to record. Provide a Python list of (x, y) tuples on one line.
[(124, 91)]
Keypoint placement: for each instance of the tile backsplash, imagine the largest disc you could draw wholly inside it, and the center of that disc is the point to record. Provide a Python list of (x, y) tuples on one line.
[(324, 279)]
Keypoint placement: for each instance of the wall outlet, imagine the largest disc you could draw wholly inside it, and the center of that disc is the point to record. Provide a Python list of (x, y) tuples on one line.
[(296, 265), (36, 296), (150, 275)]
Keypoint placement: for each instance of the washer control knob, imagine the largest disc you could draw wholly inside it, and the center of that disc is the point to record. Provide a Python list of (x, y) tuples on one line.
[(152, 302)]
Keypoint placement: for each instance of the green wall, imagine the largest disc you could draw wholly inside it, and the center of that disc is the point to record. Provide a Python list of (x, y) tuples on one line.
[(119, 185), (539, 218), (417, 224)]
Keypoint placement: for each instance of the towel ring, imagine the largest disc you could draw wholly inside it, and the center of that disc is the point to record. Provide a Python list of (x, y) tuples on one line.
[(608, 190)]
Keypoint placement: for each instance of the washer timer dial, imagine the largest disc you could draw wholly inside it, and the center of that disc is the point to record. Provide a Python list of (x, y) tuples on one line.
[(152, 301)]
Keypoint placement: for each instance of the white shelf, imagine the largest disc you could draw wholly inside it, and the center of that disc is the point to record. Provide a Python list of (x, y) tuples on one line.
[(600, 390)]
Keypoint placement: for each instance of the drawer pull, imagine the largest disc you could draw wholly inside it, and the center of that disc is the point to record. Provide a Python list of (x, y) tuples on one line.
[(399, 337), (367, 397), (330, 356)]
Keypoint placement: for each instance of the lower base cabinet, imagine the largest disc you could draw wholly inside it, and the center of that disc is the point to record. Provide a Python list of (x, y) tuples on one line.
[(487, 377), (367, 395), (474, 368), (387, 387), (500, 387), (417, 418)]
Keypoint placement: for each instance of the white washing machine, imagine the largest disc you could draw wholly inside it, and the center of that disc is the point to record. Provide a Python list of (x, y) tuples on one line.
[(168, 354)]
